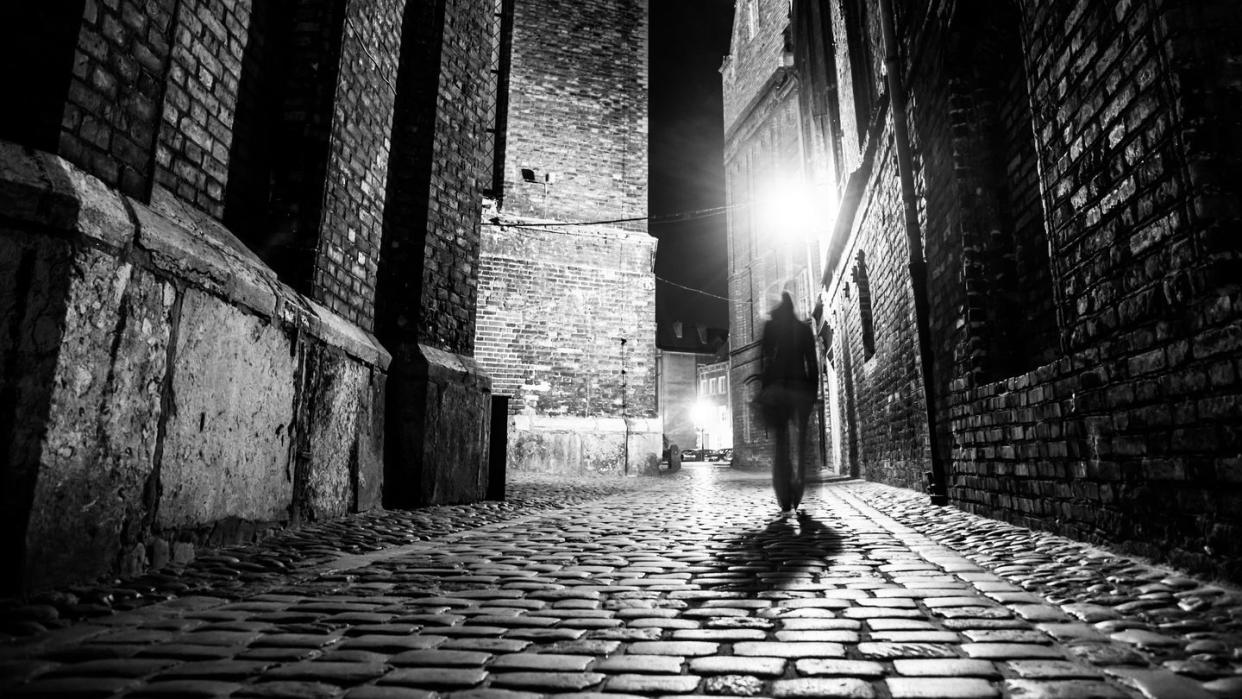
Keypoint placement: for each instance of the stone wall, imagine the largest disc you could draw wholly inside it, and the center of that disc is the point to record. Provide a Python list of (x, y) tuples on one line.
[(1120, 423), (578, 111), (194, 210), (174, 394)]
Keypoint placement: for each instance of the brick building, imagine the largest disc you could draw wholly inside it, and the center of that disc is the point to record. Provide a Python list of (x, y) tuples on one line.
[(712, 415), (567, 311), (1033, 280), (683, 347), (778, 203), (238, 264)]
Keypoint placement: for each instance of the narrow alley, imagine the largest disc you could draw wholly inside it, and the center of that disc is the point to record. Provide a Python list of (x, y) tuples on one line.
[(687, 584)]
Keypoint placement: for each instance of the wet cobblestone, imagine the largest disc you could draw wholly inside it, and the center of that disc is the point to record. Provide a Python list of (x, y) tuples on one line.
[(244, 570), (684, 585)]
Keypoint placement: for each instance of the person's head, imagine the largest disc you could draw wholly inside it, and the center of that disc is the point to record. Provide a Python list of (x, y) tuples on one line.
[(784, 307)]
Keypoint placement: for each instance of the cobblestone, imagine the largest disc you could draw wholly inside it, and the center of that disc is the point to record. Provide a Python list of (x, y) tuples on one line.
[(691, 588)]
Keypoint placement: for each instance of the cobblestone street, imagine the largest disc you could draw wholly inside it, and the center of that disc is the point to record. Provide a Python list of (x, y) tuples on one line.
[(685, 585)]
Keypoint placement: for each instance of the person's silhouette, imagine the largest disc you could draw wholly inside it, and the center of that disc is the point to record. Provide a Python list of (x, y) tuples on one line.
[(789, 373)]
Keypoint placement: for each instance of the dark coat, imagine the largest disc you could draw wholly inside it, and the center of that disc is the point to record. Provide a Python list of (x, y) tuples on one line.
[(788, 351)]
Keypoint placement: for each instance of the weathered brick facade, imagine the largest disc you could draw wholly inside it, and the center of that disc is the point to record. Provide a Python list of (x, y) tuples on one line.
[(1073, 182), (578, 111), (193, 209), (567, 312)]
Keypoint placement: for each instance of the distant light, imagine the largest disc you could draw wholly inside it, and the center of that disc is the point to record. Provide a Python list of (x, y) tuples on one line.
[(792, 211), (701, 414)]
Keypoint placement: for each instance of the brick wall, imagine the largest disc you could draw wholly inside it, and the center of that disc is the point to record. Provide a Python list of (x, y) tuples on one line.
[(431, 226), (1122, 425), (1125, 437), (889, 440), (357, 170), (192, 156), (578, 110), (553, 308), (112, 113), (755, 53)]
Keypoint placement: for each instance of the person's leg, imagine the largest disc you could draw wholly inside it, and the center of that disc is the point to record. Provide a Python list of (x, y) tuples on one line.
[(782, 466), (799, 417)]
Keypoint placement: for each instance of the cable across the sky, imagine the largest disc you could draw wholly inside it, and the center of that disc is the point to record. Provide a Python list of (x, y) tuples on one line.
[(666, 218)]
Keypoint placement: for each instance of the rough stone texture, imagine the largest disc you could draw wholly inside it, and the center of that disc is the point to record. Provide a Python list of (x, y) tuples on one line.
[(1094, 392), (160, 384), (578, 445), (100, 447), (341, 413), (226, 453), (443, 430)]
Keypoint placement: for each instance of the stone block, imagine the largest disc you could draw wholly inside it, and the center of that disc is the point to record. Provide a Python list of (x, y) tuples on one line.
[(439, 432), (341, 447), (101, 433), (226, 452)]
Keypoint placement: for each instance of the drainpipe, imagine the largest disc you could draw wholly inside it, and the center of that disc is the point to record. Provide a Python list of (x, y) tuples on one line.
[(938, 482)]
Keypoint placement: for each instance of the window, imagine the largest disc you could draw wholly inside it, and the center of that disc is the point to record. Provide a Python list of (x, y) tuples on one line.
[(997, 158), (37, 45), (496, 84), (864, 306), (279, 156), (858, 40)]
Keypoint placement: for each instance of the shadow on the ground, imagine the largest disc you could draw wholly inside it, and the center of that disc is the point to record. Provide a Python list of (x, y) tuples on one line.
[(787, 554)]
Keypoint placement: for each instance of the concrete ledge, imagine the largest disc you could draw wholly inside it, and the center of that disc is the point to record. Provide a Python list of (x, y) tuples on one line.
[(181, 395), (46, 192)]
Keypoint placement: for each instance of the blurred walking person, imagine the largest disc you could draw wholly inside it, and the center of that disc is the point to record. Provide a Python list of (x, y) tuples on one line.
[(789, 380)]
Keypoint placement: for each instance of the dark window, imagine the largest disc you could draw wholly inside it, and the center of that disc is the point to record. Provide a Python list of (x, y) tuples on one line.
[(858, 37), (279, 155), (1016, 291), (497, 98), (37, 45), (864, 306)]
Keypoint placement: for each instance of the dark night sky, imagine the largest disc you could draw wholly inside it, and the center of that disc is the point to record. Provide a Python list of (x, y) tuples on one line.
[(689, 38)]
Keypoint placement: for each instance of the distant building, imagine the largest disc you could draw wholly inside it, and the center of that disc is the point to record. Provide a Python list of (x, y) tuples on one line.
[(683, 348), (712, 415), (566, 319), (780, 203)]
